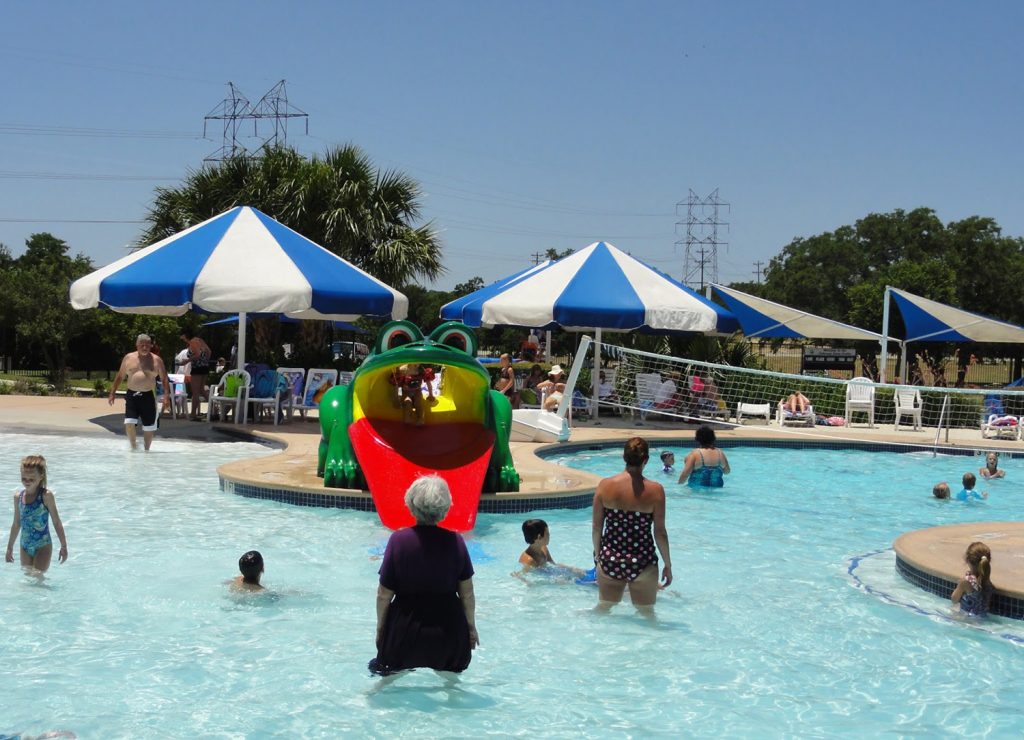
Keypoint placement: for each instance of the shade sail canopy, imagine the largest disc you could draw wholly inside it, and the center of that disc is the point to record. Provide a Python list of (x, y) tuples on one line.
[(930, 321), (453, 310), (599, 287), (762, 318), (239, 261)]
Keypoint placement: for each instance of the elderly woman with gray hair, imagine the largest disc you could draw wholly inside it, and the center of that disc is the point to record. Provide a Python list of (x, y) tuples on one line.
[(426, 611)]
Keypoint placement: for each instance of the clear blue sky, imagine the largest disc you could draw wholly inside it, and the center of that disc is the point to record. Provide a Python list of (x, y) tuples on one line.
[(532, 125)]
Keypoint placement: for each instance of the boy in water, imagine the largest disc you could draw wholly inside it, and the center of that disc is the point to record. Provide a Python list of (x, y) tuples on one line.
[(537, 554), (251, 567), (668, 461), (968, 493), (941, 490)]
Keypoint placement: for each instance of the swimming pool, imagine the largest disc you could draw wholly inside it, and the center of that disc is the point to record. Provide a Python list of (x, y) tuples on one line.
[(764, 632)]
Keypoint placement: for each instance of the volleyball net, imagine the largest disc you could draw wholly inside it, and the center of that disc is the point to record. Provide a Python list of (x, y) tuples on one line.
[(661, 387)]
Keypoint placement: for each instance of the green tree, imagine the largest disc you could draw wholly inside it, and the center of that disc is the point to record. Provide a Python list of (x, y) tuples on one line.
[(842, 274), (37, 295), (554, 255), (339, 200)]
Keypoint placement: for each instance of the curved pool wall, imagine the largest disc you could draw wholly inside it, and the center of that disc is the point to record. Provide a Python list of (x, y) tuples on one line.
[(237, 480)]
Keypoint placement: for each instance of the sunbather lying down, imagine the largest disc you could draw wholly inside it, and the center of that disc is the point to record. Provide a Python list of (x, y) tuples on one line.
[(797, 403)]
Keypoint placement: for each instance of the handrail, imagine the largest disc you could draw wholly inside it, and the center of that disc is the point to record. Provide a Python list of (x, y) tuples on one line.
[(938, 430)]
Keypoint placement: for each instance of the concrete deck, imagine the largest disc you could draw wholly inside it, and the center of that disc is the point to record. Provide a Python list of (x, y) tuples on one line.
[(936, 551)]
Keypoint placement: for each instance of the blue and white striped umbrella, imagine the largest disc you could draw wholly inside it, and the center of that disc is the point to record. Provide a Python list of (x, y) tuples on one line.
[(452, 311), (599, 287), (239, 261)]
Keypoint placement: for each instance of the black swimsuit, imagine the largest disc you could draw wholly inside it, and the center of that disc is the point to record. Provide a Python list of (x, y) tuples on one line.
[(627, 545)]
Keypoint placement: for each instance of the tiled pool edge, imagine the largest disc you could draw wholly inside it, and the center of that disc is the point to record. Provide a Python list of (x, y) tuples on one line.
[(1003, 605), (513, 503)]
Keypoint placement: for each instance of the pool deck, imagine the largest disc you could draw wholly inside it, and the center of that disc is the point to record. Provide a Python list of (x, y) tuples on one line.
[(935, 552)]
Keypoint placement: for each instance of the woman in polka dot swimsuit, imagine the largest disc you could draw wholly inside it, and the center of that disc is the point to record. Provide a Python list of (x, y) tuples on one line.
[(628, 521)]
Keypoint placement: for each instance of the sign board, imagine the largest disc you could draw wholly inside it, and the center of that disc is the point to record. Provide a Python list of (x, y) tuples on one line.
[(825, 358)]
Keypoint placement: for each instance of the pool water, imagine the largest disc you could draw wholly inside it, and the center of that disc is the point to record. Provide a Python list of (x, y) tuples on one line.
[(785, 617)]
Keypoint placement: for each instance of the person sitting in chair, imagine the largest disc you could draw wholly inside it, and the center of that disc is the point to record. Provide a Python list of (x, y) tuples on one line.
[(552, 388), (797, 403)]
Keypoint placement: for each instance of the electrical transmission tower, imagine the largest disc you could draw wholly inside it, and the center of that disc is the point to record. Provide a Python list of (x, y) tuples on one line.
[(702, 240), (269, 118)]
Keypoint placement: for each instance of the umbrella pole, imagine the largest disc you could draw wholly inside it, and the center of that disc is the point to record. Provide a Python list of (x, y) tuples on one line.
[(594, 374), (241, 340)]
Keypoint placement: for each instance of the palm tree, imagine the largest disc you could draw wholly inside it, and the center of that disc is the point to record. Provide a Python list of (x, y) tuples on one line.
[(339, 200)]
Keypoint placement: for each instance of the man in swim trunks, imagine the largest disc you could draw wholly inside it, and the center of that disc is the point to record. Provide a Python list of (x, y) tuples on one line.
[(140, 370)]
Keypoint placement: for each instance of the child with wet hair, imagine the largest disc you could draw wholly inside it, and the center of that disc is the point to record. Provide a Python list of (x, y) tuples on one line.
[(251, 567), (537, 554), (991, 469), (968, 493), (973, 593), (34, 508), (668, 461), (941, 490)]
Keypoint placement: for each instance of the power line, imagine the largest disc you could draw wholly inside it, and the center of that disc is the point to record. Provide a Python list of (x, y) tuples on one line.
[(16, 175), (70, 221), (24, 129)]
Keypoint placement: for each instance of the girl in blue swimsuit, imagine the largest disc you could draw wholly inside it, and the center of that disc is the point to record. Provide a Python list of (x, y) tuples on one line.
[(974, 591), (34, 506), (706, 466)]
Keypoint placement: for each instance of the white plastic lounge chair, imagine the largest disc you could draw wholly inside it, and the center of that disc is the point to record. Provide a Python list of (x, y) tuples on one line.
[(232, 391), (860, 398), (799, 418), (753, 409), (318, 380), (908, 403), (1001, 426)]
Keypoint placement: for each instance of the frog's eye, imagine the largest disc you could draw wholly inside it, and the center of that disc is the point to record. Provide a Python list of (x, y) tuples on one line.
[(457, 336), (397, 334)]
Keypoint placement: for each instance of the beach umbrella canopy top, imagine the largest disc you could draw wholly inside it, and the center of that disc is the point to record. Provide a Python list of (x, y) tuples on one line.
[(599, 287), (239, 261)]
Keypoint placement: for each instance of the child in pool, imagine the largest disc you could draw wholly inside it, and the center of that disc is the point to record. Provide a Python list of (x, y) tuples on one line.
[(973, 593), (991, 469), (34, 506), (968, 493), (537, 554), (941, 490), (668, 461), (251, 567)]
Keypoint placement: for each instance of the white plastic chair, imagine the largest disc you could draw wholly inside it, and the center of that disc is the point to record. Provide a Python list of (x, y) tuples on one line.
[(908, 403), (860, 398), (271, 403), (220, 400), (646, 386), (753, 409), (296, 377), (179, 395)]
